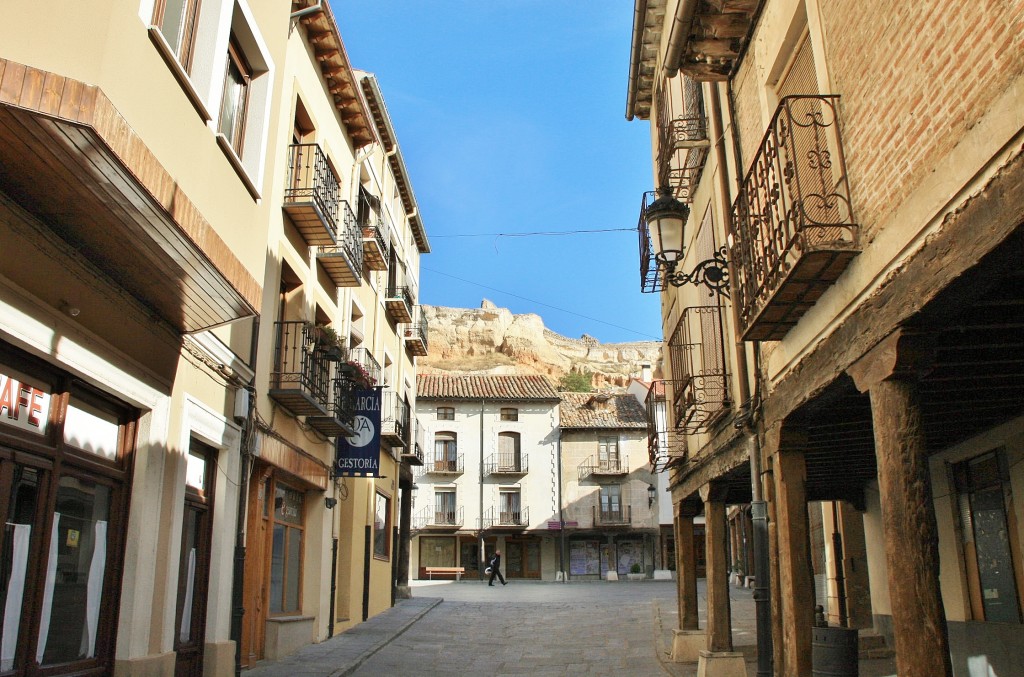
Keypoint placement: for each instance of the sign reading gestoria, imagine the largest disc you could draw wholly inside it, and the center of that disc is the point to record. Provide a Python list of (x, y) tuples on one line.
[(359, 454)]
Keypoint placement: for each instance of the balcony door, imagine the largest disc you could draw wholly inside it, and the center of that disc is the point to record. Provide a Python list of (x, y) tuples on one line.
[(445, 452), (608, 454), (611, 503), (509, 459), (444, 507), (510, 512)]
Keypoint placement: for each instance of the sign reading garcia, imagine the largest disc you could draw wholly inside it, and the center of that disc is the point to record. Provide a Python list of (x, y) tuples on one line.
[(359, 454)]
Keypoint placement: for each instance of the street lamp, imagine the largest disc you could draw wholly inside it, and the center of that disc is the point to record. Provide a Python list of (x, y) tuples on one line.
[(652, 493), (666, 223)]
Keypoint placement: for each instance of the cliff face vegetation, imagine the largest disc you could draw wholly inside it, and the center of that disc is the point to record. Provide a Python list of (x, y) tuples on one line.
[(491, 340)]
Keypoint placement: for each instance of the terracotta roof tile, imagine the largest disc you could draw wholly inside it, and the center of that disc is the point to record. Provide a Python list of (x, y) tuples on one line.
[(453, 387), (600, 410)]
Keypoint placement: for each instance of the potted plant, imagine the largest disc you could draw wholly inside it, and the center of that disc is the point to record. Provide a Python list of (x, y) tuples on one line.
[(327, 341), (635, 572)]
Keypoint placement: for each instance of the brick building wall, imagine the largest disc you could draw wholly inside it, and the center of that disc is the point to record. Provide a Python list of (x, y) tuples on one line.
[(917, 81)]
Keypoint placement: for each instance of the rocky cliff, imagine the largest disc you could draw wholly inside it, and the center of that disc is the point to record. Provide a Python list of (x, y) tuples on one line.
[(491, 340)]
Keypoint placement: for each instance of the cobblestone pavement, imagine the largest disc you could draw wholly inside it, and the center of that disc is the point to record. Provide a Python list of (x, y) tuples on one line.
[(544, 629)]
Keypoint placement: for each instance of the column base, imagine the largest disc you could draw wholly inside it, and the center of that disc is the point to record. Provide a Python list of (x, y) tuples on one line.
[(687, 645), (612, 576), (721, 664)]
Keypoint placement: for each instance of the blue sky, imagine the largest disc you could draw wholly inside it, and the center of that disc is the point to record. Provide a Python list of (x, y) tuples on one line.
[(510, 116)]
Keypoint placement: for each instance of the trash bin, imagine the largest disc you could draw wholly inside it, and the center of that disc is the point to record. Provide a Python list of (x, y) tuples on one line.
[(834, 652)]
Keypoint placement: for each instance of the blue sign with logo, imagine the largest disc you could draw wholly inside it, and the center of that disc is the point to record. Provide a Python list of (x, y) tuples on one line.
[(359, 455)]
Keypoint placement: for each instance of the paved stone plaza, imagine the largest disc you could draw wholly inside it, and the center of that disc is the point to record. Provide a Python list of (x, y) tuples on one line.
[(534, 628)]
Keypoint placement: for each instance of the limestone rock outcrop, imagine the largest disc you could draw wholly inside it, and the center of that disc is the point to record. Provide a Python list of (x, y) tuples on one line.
[(491, 340)]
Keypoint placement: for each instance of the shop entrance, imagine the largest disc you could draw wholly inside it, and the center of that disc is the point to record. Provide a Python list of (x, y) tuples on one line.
[(522, 558)]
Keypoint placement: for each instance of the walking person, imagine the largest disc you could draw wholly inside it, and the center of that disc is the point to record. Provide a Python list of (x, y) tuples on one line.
[(494, 567)]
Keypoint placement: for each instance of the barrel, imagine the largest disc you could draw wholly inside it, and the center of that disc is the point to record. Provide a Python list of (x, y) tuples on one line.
[(834, 652)]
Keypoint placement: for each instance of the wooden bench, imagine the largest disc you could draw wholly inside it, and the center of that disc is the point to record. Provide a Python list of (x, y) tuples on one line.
[(457, 571)]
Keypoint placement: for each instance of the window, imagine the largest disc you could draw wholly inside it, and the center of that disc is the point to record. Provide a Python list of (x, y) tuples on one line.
[(445, 452), (509, 507), (444, 506), (286, 550), (382, 527), (176, 20), (509, 414), (508, 452), (608, 453), (983, 494), (446, 413), (611, 503), (236, 97)]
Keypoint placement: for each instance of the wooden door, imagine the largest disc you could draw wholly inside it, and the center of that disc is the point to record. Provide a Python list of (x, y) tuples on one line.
[(254, 622)]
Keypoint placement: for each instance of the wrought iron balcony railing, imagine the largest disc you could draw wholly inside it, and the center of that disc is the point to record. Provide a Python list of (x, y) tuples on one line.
[(659, 435), (362, 356), (341, 410), (343, 258), (795, 229), (301, 375), (700, 383), (394, 419), (505, 463), (445, 465), (619, 516), (413, 455), (603, 466), (432, 517), (682, 138), (312, 194), (373, 229), (399, 303), (496, 518), (416, 333)]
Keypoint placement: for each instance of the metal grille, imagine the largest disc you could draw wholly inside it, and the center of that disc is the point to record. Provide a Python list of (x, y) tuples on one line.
[(700, 383), (682, 136), (311, 179)]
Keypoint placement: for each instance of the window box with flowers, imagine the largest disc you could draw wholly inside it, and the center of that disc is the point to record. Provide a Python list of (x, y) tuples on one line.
[(356, 373)]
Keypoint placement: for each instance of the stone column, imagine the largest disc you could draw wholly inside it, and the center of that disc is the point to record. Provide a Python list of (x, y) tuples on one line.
[(688, 640), (796, 580), (889, 372), (719, 660), (402, 590)]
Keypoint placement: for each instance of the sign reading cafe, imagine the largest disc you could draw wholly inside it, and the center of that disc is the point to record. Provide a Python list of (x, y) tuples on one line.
[(23, 405), (359, 455)]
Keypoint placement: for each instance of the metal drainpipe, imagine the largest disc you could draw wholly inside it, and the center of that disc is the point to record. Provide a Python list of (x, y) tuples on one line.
[(305, 11), (561, 513), (679, 35), (758, 506), (481, 563), (238, 574)]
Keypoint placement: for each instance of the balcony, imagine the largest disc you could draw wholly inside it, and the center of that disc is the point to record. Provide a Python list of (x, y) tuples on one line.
[(394, 419), (505, 464), (375, 246), (700, 382), (444, 466), (496, 518), (795, 230), (431, 518), (658, 434), (301, 375), (683, 142), (343, 259), (414, 455), (399, 303), (362, 358), (604, 467), (312, 195), (341, 410), (416, 334), (622, 516)]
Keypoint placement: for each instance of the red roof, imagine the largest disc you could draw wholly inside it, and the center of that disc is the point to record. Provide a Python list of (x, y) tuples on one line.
[(504, 388), (599, 410)]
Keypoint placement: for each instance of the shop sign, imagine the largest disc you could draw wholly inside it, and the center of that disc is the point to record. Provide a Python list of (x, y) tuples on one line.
[(359, 455), (23, 405)]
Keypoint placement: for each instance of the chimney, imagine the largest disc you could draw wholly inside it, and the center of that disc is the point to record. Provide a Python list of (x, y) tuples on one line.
[(645, 372)]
